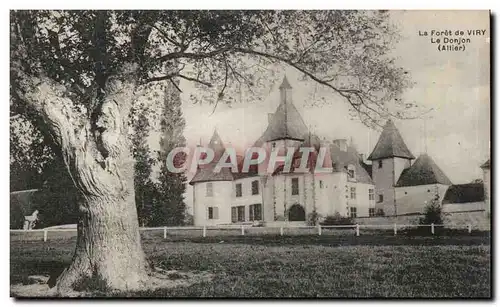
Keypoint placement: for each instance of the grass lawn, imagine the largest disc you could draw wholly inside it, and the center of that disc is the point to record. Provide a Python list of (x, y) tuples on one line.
[(299, 266)]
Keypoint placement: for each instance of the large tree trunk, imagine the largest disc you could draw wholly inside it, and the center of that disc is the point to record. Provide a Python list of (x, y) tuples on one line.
[(96, 152), (108, 253)]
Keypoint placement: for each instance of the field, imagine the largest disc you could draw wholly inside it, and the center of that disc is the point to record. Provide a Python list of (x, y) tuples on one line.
[(340, 266)]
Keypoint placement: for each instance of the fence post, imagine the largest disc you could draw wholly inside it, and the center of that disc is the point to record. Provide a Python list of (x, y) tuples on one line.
[(165, 232), (45, 232), (357, 230), (204, 231), (469, 228), (432, 228), (395, 229), (319, 230), (242, 230), (281, 231)]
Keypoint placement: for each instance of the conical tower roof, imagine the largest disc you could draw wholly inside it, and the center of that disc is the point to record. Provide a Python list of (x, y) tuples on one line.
[(286, 122), (207, 172), (423, 171), (216, 145), (285, 84), (390, 144)]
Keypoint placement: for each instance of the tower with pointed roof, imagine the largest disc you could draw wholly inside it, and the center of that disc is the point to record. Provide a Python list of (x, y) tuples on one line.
[(211, 188), (389, 158), (286, 127)]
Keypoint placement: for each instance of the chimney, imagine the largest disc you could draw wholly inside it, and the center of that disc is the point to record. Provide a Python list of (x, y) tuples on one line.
[(269, 117), (362, 157), (341, 143)]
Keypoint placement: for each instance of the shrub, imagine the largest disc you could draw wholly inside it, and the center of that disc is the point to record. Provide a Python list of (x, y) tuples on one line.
[(189, 219), (313, 218), (432, 213), (337, 219)]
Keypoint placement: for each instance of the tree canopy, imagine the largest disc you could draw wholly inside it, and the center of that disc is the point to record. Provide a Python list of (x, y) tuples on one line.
[(220, 51)]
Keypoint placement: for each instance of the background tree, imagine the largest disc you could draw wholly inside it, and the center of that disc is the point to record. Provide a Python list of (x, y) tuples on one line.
[(170, 208), (28, 155), (33, 166), (432, 212), (144, 187), (57, 199), (75, 75)]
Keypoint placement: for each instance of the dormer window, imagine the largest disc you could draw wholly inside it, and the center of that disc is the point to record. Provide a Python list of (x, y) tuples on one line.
[(351, 171)]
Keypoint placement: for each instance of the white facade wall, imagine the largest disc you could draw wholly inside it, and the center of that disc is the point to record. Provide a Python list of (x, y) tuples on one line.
[(384, 180), (464, 207), (400, 165), (283, 194), (281, 146), (414, 199), (362, 201), (222, 194), (329, 194), (247, 198)]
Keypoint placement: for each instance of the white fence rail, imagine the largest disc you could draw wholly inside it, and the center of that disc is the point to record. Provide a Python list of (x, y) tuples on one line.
[(246, 229)]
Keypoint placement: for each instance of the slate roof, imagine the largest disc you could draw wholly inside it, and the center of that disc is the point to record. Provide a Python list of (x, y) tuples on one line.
[(286, 122), (464, 193), (207, 172), (423, 171), (341, 160), (336, 158), (390, 144), (367, 167)]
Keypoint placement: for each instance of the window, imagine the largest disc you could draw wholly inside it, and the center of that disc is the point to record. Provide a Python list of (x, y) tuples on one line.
[(406, 193), (380, 198), (371, 211), (371, 195), (353, 212), (380, 212), (213, 213), (295, 186), (255, 212), (255, 187), (321, 184), (350, 171), (353, 192), (380, 163), (238, 190), (210, 191), (273, 145), (238, 214)]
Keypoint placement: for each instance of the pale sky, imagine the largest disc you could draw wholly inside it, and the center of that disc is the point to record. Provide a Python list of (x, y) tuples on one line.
[(455, 84)]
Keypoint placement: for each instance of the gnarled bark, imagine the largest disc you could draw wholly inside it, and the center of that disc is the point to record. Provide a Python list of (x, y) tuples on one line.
[(97, 155)]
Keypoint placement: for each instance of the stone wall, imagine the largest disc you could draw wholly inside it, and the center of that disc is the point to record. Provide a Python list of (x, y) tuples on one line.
[(478, 219)]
